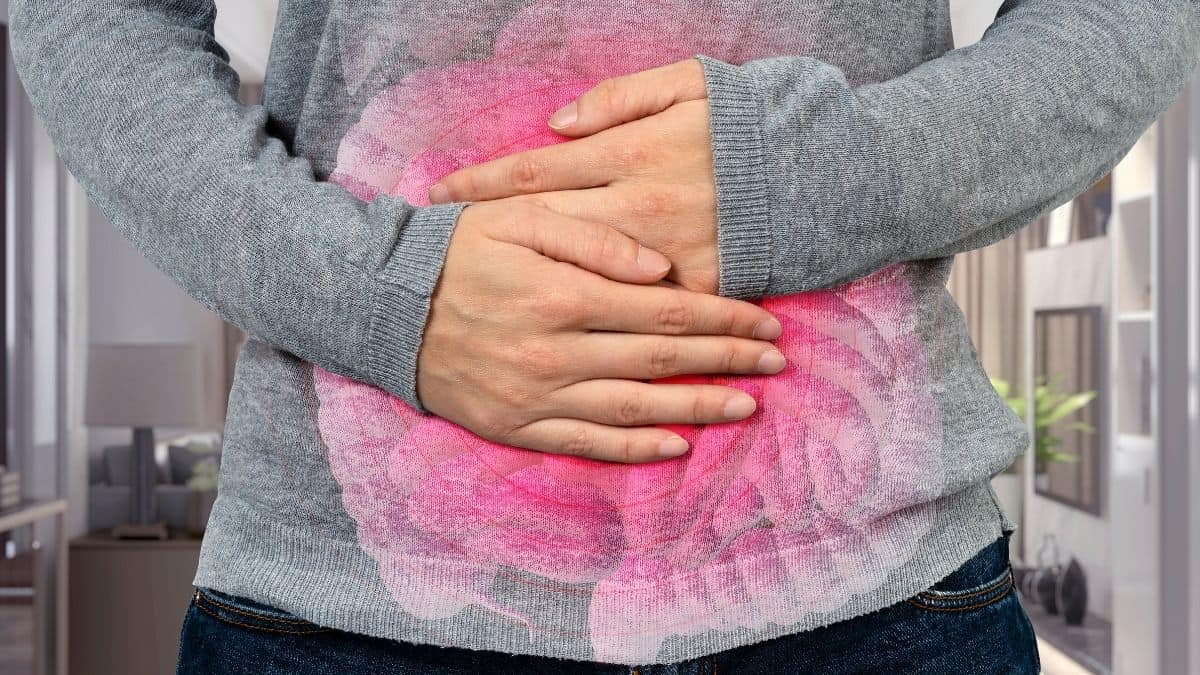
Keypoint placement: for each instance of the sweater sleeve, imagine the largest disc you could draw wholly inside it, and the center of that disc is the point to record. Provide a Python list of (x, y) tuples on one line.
[(140, 103), (820, 181)]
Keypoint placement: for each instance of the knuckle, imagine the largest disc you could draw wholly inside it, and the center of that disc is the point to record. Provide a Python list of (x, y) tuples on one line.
[(625, 449), (727, 321), (664, 359), (676, 316), (491, 423), (630, 410), (702, 281), (556, 306), (730, 359), (513, 397), (578, 442), (630, 155), (534, 204), (699, 406), (463, 183), (610, 94), (513, 221), (527, 207), (608, 243), (526, 173), (654, 201), (537, 359)]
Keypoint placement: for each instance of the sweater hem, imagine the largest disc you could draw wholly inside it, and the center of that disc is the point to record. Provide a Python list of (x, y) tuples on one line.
[(334, 583)]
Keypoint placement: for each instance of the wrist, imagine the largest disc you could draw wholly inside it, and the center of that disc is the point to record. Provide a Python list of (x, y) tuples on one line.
[(404, 289), (743, 213)]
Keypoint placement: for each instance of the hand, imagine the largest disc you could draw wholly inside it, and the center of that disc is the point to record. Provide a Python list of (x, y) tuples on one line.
[(540, 348), (644, 167)]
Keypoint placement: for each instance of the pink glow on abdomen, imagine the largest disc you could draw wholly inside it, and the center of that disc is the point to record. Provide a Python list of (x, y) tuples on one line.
[(736, 531)]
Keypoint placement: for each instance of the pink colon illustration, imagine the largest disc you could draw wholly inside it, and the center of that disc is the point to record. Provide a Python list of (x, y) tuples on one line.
[(763, 520)]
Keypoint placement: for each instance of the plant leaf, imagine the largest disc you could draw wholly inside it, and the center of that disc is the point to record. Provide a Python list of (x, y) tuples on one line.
[(1001, 387), (1067, 406)]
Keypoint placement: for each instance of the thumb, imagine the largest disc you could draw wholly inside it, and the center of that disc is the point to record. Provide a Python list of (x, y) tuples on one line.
[(625, 98)]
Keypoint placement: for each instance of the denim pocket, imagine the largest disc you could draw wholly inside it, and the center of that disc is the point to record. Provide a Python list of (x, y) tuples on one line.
[(251, 615), (982, 595), (984, 579)]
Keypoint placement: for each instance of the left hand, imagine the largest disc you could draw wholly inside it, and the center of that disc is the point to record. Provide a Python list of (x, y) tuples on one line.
[(640, 161)]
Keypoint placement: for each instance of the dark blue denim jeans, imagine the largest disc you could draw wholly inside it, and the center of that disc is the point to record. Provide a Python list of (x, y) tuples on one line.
[(970, 622)]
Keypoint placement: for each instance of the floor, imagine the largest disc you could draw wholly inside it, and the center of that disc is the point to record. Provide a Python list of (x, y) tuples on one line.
[(1055, 662), (16, 639), (1088, 648)]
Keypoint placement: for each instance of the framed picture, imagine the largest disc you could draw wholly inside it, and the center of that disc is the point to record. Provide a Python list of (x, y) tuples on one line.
[(1070, 408)]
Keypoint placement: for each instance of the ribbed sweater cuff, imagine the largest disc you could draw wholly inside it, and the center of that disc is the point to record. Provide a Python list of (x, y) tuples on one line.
[(404, 291), (743, 228)]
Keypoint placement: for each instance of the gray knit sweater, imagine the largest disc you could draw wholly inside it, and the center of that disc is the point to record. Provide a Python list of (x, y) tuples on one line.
[(854, 154)]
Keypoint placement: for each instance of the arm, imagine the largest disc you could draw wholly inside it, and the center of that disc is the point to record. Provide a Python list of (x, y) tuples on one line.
[(953, 155), (140, 103)]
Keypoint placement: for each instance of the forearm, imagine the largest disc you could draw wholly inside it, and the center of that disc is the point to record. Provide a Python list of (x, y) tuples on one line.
[(956, 154), (140, 102)]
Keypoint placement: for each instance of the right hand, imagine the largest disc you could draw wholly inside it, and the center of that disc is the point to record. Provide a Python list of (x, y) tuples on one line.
[(542, 325)]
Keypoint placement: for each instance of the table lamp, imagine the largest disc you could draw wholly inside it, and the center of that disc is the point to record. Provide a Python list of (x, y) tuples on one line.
[(143, 386)]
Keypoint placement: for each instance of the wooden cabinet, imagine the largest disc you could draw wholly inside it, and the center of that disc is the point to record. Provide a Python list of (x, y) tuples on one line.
[(47, 623), (127, 602)]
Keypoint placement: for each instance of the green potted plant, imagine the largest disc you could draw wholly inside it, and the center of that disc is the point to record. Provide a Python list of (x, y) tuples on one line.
[(1050, 407), (1007, 483), (202, 486)]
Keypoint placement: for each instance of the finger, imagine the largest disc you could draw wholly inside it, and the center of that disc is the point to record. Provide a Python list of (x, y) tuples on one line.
[(632, 356), (624, 98), (648, 214), (627, 403), (564, 166), (581, 438), (617, 204), (602, 204), (656, 309), (592, 246)]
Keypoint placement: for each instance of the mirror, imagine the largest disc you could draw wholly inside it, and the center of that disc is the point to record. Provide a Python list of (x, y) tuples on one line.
[(1070, 408)]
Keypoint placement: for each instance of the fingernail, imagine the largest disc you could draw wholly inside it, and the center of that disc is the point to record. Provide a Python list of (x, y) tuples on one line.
[(564, 116), (771, 362), (739, 407), (768, 329), (673, 447), (652, 261), (438, 194)]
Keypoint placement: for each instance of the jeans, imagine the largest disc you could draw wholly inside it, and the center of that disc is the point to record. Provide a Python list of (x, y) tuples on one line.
[(970, 622)]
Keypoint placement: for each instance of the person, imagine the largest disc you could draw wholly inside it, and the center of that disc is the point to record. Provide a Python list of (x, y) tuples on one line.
[(604, 336)]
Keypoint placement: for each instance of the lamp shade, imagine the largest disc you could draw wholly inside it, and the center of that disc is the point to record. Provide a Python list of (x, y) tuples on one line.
[(136, 385)]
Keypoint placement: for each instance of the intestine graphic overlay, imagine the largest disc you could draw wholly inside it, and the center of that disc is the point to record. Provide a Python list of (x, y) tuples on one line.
[(763, 520)]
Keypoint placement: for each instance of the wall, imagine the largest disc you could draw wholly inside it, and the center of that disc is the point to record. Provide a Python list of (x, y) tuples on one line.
[(128, 300), (244, 30), (40, 247), (970, 18), (1063, 276)]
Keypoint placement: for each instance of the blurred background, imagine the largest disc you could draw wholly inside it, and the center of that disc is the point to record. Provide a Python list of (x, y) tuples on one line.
[(1086, 320)]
